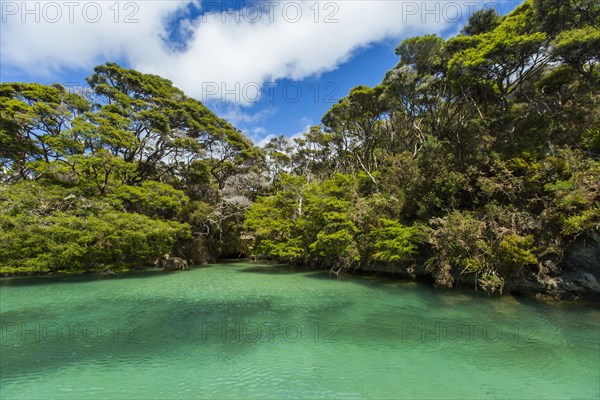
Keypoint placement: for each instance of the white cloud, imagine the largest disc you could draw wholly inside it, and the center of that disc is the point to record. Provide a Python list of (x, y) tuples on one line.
[(306, 129), (258, 134), (259, 130), (260, 142), (260, 137), (42, 37), (224, 55), (238, 114), (220, 50)]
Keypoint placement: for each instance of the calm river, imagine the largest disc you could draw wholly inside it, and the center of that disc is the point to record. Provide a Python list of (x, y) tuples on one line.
[(253, 331)]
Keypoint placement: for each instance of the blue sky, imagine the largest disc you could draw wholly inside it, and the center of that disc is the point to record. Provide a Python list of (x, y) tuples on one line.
[(269, 67)]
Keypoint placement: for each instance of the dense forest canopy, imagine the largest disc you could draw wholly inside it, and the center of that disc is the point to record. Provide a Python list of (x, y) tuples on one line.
[(476, 157), (117, 178)]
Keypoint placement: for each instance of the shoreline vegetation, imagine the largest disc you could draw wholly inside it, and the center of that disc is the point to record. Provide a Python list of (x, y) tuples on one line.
[(465, 287), (474, 163)]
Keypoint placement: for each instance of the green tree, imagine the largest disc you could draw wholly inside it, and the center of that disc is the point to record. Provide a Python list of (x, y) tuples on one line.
[(481, 21)]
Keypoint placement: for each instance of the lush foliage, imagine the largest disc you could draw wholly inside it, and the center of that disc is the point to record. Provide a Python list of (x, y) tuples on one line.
[(54, 229), (117, 175), (476, 158)]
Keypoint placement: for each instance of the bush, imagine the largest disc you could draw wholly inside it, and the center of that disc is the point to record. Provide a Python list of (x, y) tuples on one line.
[(47, 228)]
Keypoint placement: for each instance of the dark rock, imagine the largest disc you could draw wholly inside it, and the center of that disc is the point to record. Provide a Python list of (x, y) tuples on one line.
[(581, 268), (173, 263), (196, 250), (584, 255)]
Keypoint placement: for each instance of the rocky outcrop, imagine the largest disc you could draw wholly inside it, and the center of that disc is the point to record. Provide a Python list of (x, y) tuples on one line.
[(581, 268), (196, 250), (584, 254), (576, 277), (172, 263)]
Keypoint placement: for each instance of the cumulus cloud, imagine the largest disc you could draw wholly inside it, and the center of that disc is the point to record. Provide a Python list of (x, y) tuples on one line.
[(42, 37), (222, 51), (260, 137), (235, 114), (289, 39)]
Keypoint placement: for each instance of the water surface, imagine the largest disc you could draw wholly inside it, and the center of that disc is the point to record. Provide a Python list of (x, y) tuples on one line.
[(252, 331)]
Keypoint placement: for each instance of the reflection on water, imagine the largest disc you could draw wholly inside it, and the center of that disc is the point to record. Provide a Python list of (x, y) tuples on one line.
[(248, 330)]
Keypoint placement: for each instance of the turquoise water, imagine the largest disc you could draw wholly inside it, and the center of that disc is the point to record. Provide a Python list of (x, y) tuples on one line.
[(252, 331)]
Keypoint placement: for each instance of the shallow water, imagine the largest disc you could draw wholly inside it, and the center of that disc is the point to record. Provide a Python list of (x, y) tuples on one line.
[(252, 331)]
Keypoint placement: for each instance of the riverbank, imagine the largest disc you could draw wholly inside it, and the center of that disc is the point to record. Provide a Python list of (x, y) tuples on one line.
[(576, 285)]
